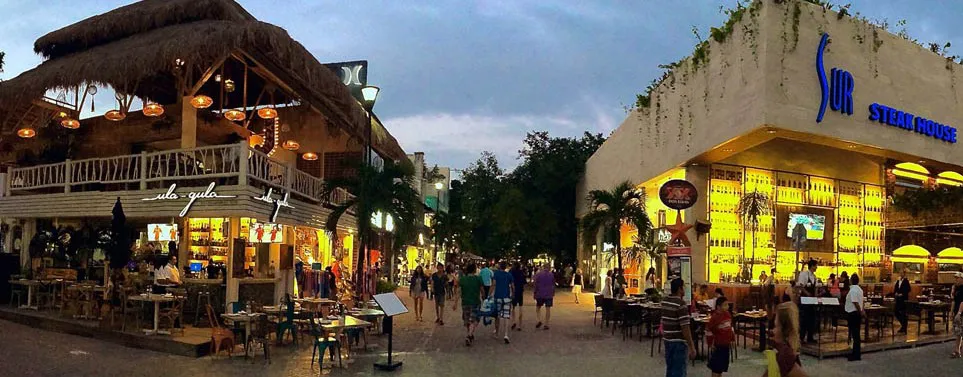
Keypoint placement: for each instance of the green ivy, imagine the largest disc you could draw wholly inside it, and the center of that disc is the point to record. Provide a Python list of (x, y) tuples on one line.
[(925, 200)]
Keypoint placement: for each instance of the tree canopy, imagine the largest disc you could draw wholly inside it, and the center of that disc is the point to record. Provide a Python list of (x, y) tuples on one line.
[(530, 210)]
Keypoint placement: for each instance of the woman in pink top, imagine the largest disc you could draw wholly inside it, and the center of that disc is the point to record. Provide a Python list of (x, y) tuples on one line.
[(834, 286)]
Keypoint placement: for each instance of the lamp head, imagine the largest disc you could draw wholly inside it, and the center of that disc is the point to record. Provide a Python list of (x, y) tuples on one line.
[(439, 185), (369, 94)]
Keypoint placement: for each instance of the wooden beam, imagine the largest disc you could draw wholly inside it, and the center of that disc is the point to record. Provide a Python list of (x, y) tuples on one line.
[(206, 76)]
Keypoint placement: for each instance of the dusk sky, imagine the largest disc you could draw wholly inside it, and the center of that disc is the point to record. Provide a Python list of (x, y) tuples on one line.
[(461, 77)]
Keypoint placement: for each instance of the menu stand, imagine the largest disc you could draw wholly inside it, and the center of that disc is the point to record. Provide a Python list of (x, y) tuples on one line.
[(392, 306), (820, 303)]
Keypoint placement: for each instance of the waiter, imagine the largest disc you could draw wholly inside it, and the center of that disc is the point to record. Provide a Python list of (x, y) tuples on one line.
[(806, 284), (901, 290)]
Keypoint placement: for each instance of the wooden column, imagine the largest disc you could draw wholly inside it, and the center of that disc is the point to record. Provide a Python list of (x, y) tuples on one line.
[(188, 123)]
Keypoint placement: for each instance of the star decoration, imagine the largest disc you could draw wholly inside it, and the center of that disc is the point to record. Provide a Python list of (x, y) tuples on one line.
[(678, 232)]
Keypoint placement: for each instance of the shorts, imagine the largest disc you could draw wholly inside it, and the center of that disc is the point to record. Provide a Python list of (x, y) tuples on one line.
[(469, 314), (504, 307), (517, 299), (577, 289), (546, 302), (439, 300), (719, 360)]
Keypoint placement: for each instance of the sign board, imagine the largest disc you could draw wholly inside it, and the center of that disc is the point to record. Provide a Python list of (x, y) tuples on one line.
[(663, 235), (678, 194), (390, 304), (171, 194), (278, 203), (162, 232), (353, 74), (266, 233), (678, 251)]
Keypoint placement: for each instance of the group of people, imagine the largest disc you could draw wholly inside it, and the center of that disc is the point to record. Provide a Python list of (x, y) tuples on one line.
[(499, 288), (615, 283)]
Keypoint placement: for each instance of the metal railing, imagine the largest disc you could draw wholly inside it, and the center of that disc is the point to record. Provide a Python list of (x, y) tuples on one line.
[(210, 162)]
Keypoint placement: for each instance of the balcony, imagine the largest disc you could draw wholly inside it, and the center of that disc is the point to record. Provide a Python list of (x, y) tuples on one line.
[(233, 164)]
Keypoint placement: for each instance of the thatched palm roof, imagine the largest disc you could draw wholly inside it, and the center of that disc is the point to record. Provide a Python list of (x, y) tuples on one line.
[(134, 19), (132, 49)]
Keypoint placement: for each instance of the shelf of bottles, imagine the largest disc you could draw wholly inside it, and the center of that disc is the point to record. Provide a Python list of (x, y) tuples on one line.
[(250, 252), (208, 239), (858, 225)]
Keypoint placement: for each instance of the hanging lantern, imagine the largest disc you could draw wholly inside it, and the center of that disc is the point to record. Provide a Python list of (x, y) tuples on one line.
[(234, 115), (70, 123), (291, 145), (229, 85), (27, 132), (201, 101), (267, 113), (310, 156), (153, 109), (256, 140), (115, 115)]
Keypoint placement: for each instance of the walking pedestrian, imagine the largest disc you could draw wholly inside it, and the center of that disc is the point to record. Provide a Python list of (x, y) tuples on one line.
[(471, 297), (854, 315), (721, 336), (786, 344), (577, 284), (417, 289), (957, 293), (607, 285), (675, 331), (544, 295), (486, 277), (501, 291), (519, 280), (439, 285)]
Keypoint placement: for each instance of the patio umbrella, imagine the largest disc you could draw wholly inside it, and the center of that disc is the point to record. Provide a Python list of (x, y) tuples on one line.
[(120, 247)]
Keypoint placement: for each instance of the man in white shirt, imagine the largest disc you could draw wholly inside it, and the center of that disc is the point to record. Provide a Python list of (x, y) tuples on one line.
[(806, 286), (854, 315)]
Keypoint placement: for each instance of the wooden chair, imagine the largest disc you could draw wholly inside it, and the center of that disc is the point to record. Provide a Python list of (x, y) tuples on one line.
[(598, 308), (174, 315), (261, 334), (220, 337)]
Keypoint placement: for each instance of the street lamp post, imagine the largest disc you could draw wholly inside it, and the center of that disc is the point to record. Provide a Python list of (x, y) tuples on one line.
[(369, 94), (438, 187)]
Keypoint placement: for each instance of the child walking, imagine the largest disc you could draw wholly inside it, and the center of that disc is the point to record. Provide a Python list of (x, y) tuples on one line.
[(720, 329)]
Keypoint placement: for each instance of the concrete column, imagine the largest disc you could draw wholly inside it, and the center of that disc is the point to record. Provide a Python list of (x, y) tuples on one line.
[(188, 124), (698, 176), (231, 290)]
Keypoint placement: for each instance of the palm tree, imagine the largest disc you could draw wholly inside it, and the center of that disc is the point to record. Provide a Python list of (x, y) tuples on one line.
[(386, 191), (610, 209), (647, 246), (752, 206)]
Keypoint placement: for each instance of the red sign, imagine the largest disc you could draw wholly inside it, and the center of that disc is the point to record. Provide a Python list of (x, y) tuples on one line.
[(678, 251), (678, 194)]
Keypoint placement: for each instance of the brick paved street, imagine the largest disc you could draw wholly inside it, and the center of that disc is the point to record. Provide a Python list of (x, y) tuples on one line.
[(573, 347)]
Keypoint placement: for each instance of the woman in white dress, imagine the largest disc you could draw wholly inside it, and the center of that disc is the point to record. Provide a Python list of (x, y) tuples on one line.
[(607, 286)]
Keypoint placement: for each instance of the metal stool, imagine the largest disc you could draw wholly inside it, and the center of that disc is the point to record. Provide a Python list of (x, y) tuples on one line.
[(206, 296), (18, 293)]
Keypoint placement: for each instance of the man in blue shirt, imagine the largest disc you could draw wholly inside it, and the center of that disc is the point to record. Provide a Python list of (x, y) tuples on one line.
[(502, 288), (486, 277)]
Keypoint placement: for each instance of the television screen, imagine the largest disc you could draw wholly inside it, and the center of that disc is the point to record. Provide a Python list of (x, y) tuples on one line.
[(815, 225), (161, 232), (197, 266), (266, 233)]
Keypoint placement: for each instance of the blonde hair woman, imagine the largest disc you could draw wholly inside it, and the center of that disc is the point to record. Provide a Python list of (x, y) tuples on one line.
[(786, 343)]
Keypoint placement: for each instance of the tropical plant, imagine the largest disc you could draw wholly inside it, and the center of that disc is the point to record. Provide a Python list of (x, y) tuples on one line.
[(752, 206), (623, 204), (385, 191), (648, 246)]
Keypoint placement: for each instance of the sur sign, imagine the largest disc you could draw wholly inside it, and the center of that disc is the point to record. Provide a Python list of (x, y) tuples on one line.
[(837, 92), (678, 194), (171, 194)]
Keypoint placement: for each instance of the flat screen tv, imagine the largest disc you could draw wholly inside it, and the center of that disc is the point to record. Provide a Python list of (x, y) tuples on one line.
[(815, 225)]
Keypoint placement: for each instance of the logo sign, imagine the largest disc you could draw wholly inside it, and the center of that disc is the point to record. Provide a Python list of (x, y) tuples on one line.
[(209, 193), (678, 194), (278, 203), (678, 251), (266, 233), (664, 235), (353, 74), (837, 93)]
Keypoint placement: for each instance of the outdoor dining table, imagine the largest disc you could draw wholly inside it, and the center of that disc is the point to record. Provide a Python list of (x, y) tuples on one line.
[(31, 289), (931, 308), (762, 318), (245, 319), (157, 299), (86, 292), (370, 315), (872, 311), (338, 324)]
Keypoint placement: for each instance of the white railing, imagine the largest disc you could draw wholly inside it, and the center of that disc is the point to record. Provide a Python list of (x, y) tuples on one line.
[(218, 161), (204, 162), (262, 168), (306, 184), (40, 176), (120, 169)]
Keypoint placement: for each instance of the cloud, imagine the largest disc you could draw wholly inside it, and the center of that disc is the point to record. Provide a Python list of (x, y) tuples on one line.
[(458, 139)]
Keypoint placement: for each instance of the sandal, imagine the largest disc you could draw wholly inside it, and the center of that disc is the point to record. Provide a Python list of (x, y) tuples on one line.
[(955, 355)]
